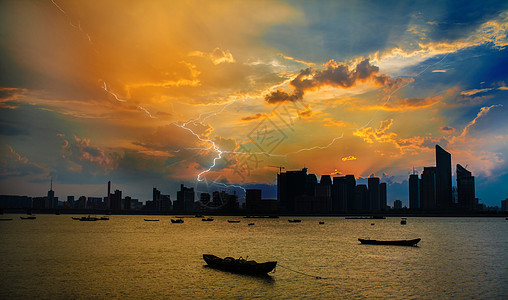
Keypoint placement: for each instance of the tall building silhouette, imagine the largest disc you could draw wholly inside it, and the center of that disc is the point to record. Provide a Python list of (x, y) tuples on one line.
[(50, 199), (253, 200), (290, 185), (374, 199), (116, 200), (184, 199), (362, 197), (414, 191), (465, 189), (428, 188), (443, 179)]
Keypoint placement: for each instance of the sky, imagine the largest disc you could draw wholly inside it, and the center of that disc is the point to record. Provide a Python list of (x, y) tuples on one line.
[(217, 95)]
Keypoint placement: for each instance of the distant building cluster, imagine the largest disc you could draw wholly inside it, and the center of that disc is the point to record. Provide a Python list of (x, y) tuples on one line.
[(300, 192), (433, 190), (297, 192)]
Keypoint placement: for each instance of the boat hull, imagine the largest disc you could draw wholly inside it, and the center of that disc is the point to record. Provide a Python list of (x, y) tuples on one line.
[(412, 242), (239, 266)]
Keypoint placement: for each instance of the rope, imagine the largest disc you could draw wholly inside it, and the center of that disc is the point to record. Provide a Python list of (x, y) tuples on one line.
[(317, 277)]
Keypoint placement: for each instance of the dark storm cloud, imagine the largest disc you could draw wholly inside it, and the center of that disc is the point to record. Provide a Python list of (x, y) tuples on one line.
[(334, 75)]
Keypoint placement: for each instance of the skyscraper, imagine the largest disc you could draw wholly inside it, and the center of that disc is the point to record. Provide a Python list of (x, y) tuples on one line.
[(443, 179), (414, 191), (184, 199), (374, 200), (290, 185), (428, 188), (465, 189)]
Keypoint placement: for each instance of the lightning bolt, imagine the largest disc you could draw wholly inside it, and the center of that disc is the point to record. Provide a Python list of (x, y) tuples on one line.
[(318, 147)]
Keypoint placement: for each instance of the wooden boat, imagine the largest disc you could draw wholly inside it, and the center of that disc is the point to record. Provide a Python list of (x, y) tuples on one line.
[(89, 218), (412, 242), (240, 265), (233, 221), (151, 220), (251, 224), (207, 219), (28, 218), (177, 221), (403, 221), (294, 221), (321, 222)]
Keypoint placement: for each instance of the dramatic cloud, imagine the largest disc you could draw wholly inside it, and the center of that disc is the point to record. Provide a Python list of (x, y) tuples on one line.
[(253, 117), (334, 75), (371, 135), (348, 158), (447, 129)]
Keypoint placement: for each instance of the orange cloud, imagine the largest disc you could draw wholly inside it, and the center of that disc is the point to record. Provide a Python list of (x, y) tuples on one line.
[(350, 157), (334, 75), (371, 135), (253, 117)]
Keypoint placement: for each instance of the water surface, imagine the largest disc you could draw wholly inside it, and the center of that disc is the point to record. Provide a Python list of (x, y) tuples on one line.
[(55, 257)]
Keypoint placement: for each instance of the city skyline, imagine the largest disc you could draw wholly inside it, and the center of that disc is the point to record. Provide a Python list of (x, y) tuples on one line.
[(223, 95)]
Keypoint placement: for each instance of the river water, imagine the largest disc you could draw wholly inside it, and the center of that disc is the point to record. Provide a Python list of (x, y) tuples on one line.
[(55, 257)]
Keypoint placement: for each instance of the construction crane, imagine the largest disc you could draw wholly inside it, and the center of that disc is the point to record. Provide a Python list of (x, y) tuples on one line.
[(279, 167)]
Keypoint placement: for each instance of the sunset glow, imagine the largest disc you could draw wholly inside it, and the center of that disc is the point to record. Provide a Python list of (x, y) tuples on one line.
[(218, 94)]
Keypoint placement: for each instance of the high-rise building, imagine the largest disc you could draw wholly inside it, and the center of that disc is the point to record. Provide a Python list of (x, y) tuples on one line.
[(465, 189), (51, 202), (397, 204), (362, 197), (290, 185), (108, 204), (116, 200), (253, 200), (374, 199), (443, 179), (428, 188), (414, 191), (184, 199), (343, 193)]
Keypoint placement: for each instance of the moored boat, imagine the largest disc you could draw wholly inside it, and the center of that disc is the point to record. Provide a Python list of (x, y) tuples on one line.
[(177, 221), (233, 221), (151, 220), (412, 242), (104, 218), (4, 219), (294, 220), (403, 221), (28, 218), (207, 219), (240, 265)]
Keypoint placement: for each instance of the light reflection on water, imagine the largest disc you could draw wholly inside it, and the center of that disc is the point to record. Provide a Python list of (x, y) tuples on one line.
[(125, 257)]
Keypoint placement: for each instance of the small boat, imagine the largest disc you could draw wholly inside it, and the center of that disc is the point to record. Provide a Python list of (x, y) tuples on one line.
[(403, 221), (151, 220), (294, 220), (104, 218), (3, 219), (240, 265), (28, 218), (207, 219), (321, 222), (89, 218), (233, 221), (75, 218), (251, 224), (178, 221), (412, 242)]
